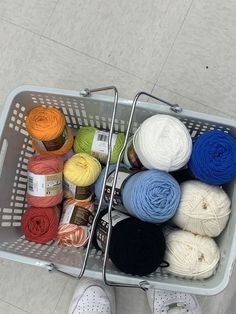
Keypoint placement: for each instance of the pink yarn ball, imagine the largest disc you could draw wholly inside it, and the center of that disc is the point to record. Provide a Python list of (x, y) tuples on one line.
[(44, 188)]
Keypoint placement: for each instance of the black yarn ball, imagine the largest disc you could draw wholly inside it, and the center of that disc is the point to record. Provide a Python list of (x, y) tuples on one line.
[(136, 247)]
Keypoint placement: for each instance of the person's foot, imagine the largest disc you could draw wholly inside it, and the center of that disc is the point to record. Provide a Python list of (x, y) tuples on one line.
[(92, 297), (170, 302)]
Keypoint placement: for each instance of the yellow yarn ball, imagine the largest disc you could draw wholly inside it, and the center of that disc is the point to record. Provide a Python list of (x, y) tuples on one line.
[(82, 169)]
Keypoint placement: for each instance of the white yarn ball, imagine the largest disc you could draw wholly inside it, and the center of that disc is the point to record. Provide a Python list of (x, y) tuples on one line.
[(191, 256), (163, 142), (203, 209)]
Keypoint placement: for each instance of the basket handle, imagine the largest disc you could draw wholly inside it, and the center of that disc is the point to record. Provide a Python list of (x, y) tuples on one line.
[(142, 284), (85, 93)]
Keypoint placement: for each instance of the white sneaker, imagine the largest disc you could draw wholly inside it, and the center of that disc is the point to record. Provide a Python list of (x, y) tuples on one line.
[(170, 302), (92, 297)]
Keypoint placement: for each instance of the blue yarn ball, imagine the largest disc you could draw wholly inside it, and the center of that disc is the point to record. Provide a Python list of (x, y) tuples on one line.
[(152, 196), (213, 159), (99, 182)]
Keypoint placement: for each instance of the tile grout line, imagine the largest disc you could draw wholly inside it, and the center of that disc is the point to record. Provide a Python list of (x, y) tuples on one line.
[(96, 59), (188, 98), (17, 307), (41, 36), (172, 45), (53, 10), (54, 311)]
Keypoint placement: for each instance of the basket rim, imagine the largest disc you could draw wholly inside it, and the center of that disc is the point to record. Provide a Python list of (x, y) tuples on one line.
[(106, 98), (145, 106)]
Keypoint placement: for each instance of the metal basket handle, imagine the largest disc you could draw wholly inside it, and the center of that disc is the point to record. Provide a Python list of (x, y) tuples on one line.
[(85, 93), (142, 284)]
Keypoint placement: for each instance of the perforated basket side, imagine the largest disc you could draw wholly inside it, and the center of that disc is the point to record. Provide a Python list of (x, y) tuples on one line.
[(15, 147)]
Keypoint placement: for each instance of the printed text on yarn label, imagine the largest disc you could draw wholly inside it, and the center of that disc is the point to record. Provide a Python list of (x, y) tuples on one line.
[(44, 185), (77, 192), (122, 177), (99, 148), (54, 144), (77, 215), (102, 227)]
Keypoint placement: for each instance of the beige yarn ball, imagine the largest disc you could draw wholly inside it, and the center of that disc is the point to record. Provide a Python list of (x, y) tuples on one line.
[(191, 256), (204, 209)]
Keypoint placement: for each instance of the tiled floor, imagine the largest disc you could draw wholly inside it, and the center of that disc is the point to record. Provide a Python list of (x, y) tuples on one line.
[(181, 50)]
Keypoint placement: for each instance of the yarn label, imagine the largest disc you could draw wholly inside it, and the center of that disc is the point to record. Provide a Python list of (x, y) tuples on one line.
[(122, 177), (44, 185), (133, 157), (103, 225), (77, 215), (99, 148), (54, 144), (77, 192)]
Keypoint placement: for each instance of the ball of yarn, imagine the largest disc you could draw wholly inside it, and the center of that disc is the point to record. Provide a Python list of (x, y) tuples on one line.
[(82, 169), (47, 127), (191, 256), (44, 186), (99, 183), (203, 209), (136, 247), (151, 196), (163, 142), (75, 231), (72, 235), (84, 143), (213, 159), (39, 224), (130, 157)]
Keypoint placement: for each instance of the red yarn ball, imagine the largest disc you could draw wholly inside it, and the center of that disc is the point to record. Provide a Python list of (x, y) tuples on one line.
[(40, 224)]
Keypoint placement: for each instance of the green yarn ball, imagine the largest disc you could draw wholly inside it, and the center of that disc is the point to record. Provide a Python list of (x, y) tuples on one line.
[(84, 140)]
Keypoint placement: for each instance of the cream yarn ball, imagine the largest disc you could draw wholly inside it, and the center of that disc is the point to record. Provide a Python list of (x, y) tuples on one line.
[(163, 142), (191, 256), (203, 209)]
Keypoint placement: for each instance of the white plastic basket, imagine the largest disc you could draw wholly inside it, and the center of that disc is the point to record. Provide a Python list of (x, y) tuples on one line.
[(15, 150)]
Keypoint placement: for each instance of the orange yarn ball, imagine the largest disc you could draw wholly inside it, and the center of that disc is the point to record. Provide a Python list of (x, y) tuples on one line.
[(47, 127)]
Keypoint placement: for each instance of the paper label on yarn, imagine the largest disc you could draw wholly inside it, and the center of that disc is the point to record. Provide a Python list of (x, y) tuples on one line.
[(122, 177), (103, 225), (133, 157), (77, 192), (54, 144), (78, 215), (44, 185), (99, 148)]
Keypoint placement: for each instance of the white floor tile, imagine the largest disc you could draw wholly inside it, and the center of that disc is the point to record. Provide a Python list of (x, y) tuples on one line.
[(131, 35), (33, 14), (36, 61), (202, 64), (66, 296), (30, 288), (6, 308), (16, 48), (56, 65), (188, 103), (131, 301)]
